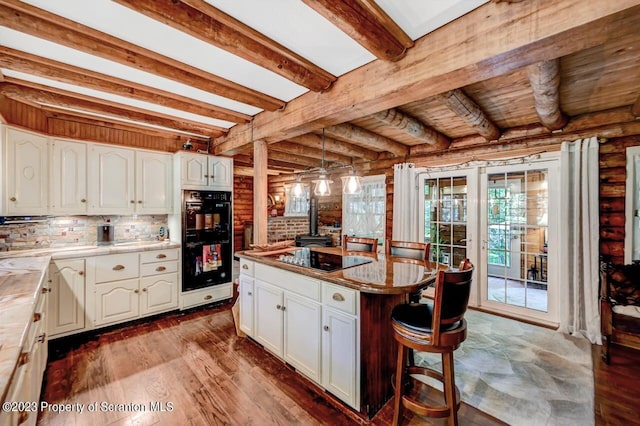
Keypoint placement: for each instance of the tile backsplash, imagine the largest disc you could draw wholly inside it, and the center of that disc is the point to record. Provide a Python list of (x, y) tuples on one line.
[(62, 231)]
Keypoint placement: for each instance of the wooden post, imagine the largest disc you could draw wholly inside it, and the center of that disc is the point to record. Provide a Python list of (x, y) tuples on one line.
[(260, 156)]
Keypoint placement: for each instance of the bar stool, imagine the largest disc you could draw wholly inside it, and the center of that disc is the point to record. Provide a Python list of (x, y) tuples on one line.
[(351, 243), (437, 328)]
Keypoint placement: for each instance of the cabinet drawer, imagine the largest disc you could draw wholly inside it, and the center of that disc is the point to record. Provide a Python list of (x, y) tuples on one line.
[(116, 267), (208, 295), (296, 283), (339, 297), (246, 267), (159, 268), (158, 255)]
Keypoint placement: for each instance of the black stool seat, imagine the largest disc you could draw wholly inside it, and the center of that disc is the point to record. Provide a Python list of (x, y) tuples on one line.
[(418, 317)]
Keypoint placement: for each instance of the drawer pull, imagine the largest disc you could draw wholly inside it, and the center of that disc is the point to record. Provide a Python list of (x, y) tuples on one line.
[(23, 358), (245, 266), (161, 268), (37, 316), (84, 200), (144, 289), (208, 297), (161, 256), (13, 199), (338, 297), (118, 267), (46, 290)]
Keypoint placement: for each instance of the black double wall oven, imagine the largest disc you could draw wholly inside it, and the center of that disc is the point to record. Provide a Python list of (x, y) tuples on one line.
[(206, 239)]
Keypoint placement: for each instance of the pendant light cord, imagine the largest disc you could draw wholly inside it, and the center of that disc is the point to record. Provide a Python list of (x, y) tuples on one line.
[(322, 148)]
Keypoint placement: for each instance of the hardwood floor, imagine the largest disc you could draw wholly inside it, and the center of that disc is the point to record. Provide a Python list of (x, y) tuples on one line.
[(194, 367)]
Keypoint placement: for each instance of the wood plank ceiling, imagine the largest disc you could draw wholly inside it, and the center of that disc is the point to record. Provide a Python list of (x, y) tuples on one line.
[(384, 78)]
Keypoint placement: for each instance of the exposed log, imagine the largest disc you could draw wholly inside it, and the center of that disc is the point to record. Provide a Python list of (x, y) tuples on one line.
[(248, 171), (332, 145), (305, 151), (299, 161), (413, 127), (544, 78), (635, 109), (48, 68), (40, 23), (1, 74), (260, 183), (470, 113), (43, 95), (504, 39), (364, 138), (368, 24), (201, 20), (613, 174)]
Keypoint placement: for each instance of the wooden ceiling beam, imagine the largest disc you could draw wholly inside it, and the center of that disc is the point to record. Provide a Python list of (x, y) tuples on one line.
[(364, 138), (470, 112), (203, 21), (306, 151), (300, 161), (505, 37), (40, 23), (248, 171), (36, 65), (544, 78), (332, 145), (413, 127), (38, 94), (368, 24)]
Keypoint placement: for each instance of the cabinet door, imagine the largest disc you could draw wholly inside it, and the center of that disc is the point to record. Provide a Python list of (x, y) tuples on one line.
[(194, 171), (153, 182), (302, 325), (117, 301), (66, 301), (246, 304), (158, 293), (220, 172), (269, 330), (111, 180), (339, 356), (27, 178), (68, 177)]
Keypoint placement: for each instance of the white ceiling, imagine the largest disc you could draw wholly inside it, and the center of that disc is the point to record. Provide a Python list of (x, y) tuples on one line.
[(289, 22)]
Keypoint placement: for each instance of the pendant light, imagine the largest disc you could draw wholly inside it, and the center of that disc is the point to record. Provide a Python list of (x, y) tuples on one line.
[(351, 184), (298, 188), (323, 184)]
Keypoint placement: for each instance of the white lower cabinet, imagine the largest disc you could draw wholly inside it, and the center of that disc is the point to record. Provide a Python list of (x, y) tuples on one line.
[(310, 324), (67, 296), (159, 293), (117, 301)]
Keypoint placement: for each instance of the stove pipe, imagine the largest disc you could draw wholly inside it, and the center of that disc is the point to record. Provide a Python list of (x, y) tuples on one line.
[(313, 216)]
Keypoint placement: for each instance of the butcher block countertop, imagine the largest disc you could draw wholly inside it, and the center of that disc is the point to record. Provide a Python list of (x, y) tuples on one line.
[(21, 281), (384, 275)]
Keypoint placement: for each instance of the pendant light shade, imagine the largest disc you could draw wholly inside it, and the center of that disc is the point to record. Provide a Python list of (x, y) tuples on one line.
[(298, 188), (351, 184), (323, 184)]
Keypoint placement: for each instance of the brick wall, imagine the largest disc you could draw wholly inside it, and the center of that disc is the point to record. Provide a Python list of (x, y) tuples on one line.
[(62, 231), (281, 228)]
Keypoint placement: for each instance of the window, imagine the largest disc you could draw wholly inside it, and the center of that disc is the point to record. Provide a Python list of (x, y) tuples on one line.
[(364, 214), (632, 206), (296, 206)]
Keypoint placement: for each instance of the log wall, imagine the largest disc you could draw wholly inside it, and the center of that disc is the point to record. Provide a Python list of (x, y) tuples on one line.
[(242, 208)]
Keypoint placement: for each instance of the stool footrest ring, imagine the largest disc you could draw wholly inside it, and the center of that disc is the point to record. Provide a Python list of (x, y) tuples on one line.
[(421, 408)]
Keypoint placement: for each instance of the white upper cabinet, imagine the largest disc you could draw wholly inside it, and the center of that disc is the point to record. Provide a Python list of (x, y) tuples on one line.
[(26, 173), (68, 183), (111, 180), (199, 171), (153, 182)]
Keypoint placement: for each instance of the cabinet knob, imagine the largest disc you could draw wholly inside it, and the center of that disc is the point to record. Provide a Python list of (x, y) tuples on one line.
[(144, 289), (84, 200), (278, 307), (13, 199), (245, 266), (136, 291), (132, 202), (37, 316), (325, 328), (338, 297), (139, 201), (81, 273), (160, 268), (46, 290), (206, 176), (284, 308), (249, 293), (118, 267), (161, 256)]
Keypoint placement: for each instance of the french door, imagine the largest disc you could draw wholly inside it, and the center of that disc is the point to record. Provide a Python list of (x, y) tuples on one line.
[(516, 223)]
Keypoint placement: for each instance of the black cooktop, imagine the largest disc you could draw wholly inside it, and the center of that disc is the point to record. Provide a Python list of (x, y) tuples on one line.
[(327, 262)]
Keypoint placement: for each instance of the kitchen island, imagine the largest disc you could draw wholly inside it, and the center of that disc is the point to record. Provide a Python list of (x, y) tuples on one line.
[(330, 322)]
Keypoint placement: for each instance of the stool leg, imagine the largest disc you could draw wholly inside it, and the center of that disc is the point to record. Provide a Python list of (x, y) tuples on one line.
[(400, 375), (450, 387)]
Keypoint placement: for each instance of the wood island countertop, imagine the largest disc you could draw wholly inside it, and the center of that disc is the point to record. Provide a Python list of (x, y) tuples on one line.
[(384, 275)]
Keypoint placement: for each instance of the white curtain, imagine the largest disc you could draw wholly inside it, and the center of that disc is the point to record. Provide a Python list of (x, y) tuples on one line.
[(364, 214), (579, 234), (405, 203)]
